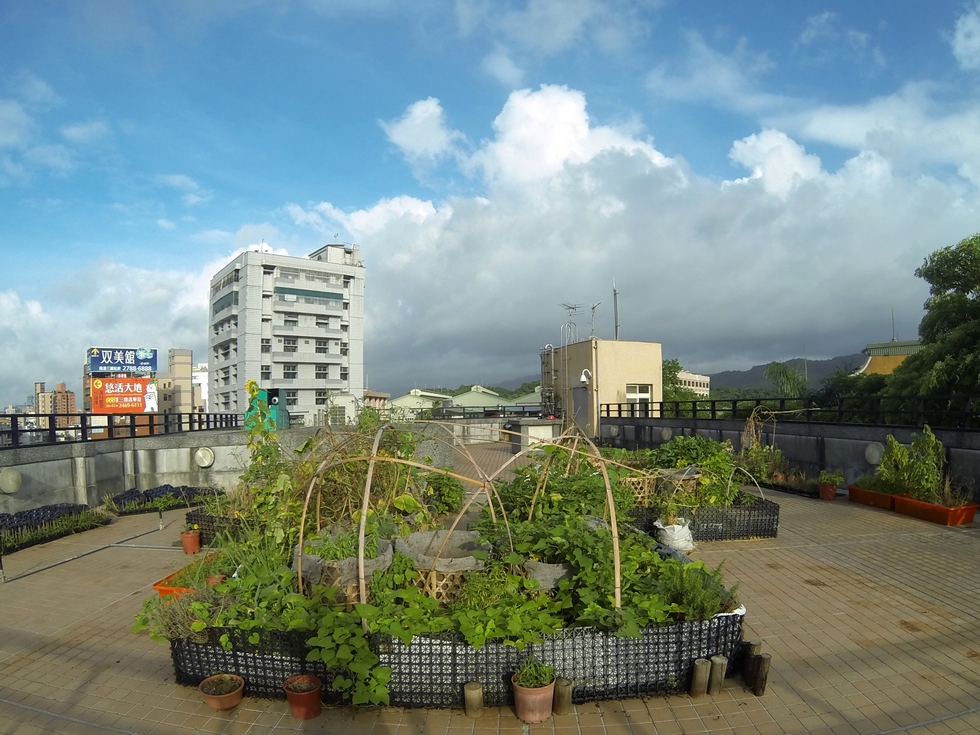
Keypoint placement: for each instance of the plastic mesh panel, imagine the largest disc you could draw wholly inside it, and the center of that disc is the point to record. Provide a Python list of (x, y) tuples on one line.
[(431, 671), (715, 523), (264, 666), (211, 526)]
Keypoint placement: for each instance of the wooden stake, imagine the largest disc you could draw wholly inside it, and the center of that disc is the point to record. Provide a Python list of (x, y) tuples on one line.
[(473, 699), (762, 675), (716, 677), (562, 703), (699, 681)]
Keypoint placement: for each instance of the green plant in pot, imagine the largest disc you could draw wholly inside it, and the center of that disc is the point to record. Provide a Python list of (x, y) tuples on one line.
[(828, 482), (534, 690)]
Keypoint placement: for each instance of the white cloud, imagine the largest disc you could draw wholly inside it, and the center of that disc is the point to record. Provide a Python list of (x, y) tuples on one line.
[(824, 40), (539, 132), (966, 39), (193, 195), (55, 157), (775, 160), (707, 75), (165, 224), (501, 67), (15, 124), (258, 234), (35, 92), (85, 132), (421, 133)]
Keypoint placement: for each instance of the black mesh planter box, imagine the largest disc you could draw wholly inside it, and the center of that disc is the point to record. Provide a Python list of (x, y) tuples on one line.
[(720, 523), (431, 671), (264, 666), (212, 526)]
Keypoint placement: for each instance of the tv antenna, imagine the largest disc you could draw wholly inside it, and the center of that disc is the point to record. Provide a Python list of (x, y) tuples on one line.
[(569, 330), (594, 307)]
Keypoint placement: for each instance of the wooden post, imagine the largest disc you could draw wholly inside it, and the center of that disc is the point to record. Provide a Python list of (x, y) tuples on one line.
[(699, 681), (750, 665), (473, 699), (716, 677), (762, 675), (562, 704)]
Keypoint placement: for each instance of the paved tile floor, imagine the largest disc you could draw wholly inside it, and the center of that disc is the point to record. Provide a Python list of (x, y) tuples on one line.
[(871, 619)]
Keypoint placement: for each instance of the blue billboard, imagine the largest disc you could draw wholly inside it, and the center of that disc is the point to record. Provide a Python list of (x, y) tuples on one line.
[(109, 360)]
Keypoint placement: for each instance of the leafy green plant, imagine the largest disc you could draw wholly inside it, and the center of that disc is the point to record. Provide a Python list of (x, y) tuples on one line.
[(828, 477), (532, 674), (918, 470), (444, 493), (696, 591)]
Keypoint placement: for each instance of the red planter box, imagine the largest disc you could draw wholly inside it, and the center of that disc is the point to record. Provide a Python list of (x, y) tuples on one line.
[(165, 586), (870, 497), (935, 513)]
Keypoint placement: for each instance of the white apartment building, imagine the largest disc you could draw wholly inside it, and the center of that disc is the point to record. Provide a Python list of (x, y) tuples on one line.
[(292, 324), (700, 384)]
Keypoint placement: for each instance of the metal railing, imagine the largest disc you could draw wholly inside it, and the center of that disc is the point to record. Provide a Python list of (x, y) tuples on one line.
[(35, 429), (948, 412), (482, 412)]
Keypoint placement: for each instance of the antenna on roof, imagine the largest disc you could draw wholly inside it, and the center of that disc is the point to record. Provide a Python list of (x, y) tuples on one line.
[(894, 335), (615, 310), (594, 307)]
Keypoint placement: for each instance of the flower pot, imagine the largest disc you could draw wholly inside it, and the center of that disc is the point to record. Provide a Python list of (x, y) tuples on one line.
[(548, 575), (222, 691), (303, 692), (533, 705), (873, 498), (216, 579), (191, 541), (935, 513), (828, 492)]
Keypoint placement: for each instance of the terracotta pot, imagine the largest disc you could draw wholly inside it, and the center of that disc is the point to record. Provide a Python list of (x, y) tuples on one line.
[(533, 705), (224, 700), (935, 513), (216, 579), (828, 492), (191, 541), (305, 705), (873, 498)]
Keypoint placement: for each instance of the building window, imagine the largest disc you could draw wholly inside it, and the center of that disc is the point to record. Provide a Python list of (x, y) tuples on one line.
[(289, 345), (344, 327), (637, 393), (343, 348), (322, 346), (322, 323), (266, 374), (344, 375), (322, 372), (321, 398), (291, 397), (338, 415), (289, 372), (266, 346), (290, 321)]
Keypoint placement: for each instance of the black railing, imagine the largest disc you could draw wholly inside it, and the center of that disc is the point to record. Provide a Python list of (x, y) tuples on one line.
[(948, 412), (36, 429), (481, 412)]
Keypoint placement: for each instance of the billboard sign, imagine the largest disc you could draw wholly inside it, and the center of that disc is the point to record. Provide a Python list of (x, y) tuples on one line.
[(124, 395), (110, 360)]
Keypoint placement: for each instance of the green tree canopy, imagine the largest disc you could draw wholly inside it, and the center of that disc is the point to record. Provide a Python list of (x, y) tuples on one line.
[(949, 362), (789, 381), (673, 390)]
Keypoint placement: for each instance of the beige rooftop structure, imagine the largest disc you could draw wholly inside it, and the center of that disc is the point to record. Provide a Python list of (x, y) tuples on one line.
[(580, 377), (478, 396)]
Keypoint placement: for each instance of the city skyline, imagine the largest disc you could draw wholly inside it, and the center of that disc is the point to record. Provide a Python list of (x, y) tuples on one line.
[(752, 178)]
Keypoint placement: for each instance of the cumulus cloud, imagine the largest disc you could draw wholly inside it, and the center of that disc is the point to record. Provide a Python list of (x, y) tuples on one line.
[(824, 39), (779, 163), (54, 157), (34, 91), (421, 134), (165, 224), (966, 39)]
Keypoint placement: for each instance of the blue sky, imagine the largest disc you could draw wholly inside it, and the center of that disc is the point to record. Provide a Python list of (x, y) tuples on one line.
[(755, 177)]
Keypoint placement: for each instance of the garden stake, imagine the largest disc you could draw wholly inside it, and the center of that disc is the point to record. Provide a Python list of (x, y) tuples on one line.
[(699, 681), (762, 675), (716, 678), (362, 586), (562, 703), (473, 699)]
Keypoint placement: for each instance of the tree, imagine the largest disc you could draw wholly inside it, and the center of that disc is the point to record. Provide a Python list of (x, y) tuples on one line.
[(949, 362), (789, 381), (673, 390)]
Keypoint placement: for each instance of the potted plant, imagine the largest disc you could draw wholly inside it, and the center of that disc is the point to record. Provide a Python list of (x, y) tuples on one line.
[(534, 690), (303, 693), (223, 691), (828, 482), (869, 490), (190, 538)]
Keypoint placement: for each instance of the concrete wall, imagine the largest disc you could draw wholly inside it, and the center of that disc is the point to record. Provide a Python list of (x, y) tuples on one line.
[(811, 447)]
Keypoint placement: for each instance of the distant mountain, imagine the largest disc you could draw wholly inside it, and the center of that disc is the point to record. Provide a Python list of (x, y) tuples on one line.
[(817, 371), (518, 382)]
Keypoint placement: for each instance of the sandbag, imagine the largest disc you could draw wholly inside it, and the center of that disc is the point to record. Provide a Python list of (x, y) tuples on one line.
[(676, 536)]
